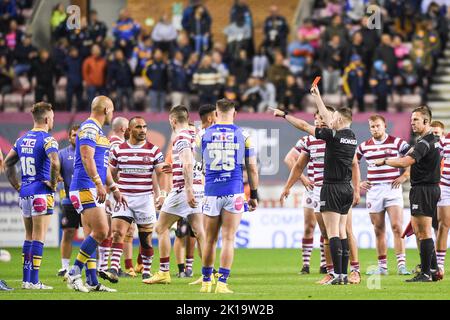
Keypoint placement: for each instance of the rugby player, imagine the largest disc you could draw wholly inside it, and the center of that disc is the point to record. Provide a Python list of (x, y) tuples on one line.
[(424, 195), (384, 191), (224, 148), (132, 165), (88, 192), (71, 220), (337, 194), (184, 199), (37, 152)]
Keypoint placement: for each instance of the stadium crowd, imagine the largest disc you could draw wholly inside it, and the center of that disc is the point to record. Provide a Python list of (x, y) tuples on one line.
[(188, 66)]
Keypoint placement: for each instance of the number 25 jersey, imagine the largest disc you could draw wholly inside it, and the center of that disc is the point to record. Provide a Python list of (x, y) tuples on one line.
[(33, 149), (224, 148)]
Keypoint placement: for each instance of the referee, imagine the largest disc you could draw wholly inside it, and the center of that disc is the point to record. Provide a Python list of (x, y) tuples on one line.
[(425, 161), (336, 195)]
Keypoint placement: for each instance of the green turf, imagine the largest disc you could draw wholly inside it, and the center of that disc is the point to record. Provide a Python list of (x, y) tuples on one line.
[(256, 274)]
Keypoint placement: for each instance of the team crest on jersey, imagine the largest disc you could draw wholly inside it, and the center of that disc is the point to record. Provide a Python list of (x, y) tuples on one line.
[(147, 159)]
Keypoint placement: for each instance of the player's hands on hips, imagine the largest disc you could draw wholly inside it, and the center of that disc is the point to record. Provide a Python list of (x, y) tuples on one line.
[(101, 193), (49, 184), (191, 198), (398, 182), (309, 185), (366, 185), (120, 199), (284, 196), (252, 204)]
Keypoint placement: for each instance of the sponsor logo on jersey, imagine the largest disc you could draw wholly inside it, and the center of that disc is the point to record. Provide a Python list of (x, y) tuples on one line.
[(75, 201), (39, 205), (349, 141), (238, 203), (415, 207)]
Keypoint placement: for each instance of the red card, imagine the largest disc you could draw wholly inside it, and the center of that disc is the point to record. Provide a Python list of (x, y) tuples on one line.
[(316, 81)]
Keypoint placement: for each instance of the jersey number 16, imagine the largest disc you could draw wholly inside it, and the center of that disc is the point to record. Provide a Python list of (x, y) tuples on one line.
[(28, 167)]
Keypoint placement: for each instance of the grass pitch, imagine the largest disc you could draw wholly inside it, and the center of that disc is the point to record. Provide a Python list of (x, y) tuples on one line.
[(256, 274)]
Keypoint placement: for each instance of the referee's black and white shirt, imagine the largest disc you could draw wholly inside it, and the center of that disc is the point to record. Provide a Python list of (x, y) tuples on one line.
[(339, 152), (427, 168)]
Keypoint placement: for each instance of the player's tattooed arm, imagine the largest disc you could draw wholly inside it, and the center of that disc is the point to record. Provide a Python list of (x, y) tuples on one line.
[(187, 158), (55, 167), (10, 163), (294, 175), (356, 178), (87, 158), (323, 111)]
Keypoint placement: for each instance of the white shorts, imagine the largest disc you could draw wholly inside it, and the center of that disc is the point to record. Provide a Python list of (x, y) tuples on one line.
[(176, 202), (382, 196), (85, 199), (444, 201), (308, 199), (316, 198), (213, 205), (37, 205), (141, 209)]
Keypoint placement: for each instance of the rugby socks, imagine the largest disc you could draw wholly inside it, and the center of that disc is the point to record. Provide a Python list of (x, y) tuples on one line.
[(189, 262), (147, 259), (323, 262), (336, 255), (223, 274), (354, 266), (434, 264), (345, 256), (26, 260), (104, 251), (207, 272), (139, 259), (426, 252), (37, 248), (307, 247), (401, 260), (440, 255), (65, 263), (128, 264), (88, 247), (91, 270), (116, 254), (382, 262), (164, 264)]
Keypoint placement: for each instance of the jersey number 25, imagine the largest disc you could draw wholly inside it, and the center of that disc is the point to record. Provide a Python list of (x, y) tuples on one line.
[(222, 160)]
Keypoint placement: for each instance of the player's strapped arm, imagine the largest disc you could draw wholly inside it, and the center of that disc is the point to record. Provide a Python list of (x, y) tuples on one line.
[(10, 163), (323, 111), (356, 178), (296, 122), (162, 184)]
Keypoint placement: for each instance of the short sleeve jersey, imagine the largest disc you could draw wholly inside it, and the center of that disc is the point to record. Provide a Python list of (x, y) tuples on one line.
[(427, 168), (33, 149), (90, 134), (339, 153)]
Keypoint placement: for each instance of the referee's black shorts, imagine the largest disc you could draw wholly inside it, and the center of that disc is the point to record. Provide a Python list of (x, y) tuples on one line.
[(70, 217), (336, 197), (423, 200)]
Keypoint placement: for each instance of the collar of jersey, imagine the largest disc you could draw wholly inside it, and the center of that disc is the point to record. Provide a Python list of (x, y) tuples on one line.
[(224, 122), (38, 129), (96, 122), (380, 142)]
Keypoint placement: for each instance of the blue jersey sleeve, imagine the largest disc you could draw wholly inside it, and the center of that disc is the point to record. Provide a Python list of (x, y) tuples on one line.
[(50, 145), (249, 148), (88, 135)]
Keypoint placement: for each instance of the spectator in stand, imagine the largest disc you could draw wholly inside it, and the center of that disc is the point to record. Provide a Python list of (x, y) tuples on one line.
[(440, 22), (310, 33), (276, 31), (6, 76), (108, 49), (333, 58), (126, 32), (59, 54), (58, 16), (155, 74), (8, 12), (207, 81), (142, 53), (277, 75), (357, 47), (191, 68), (240, 10), (371, 40), (433, 41), (260, 63), (355, 9), (73, 72), (260, 95), (94, 72), (119, 79), (239, 37), (199, 30), (184, 46), (423, 63), (353, 83), (14, 36), (241, 68), (291, 99), (298, 51), (310, 71), (44, 70), (386, 53), (4, 50), (97, 29), (231, 91), (178, 81), (24, 56), (333, 8), (409, 81), (164, 34), (335, 28), (81, 38), (217, 62), (401, 50), (381, 85)]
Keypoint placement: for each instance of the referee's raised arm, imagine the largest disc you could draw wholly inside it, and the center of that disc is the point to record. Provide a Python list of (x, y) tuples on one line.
[(296, 122)]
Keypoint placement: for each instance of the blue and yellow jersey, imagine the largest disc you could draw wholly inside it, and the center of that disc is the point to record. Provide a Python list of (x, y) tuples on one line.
[(33, 149), (90, 134), (224, 148)]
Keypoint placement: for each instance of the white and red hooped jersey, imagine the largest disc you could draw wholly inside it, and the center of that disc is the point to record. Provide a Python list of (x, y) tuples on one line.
[(444, 145), (185, 139), (315, 148), (390, 147), (299, 146), (114, 142), (135, 164)]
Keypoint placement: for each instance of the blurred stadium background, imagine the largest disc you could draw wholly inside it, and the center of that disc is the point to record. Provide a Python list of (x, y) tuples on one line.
[(258, 53)]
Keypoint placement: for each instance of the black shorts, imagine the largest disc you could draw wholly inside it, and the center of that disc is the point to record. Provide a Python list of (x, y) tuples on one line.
[(70, 217), (183, 229), (423, 201), (336, 197)]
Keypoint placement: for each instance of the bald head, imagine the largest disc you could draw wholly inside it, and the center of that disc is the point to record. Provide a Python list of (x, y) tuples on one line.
[(119, 124), (102, 106)]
